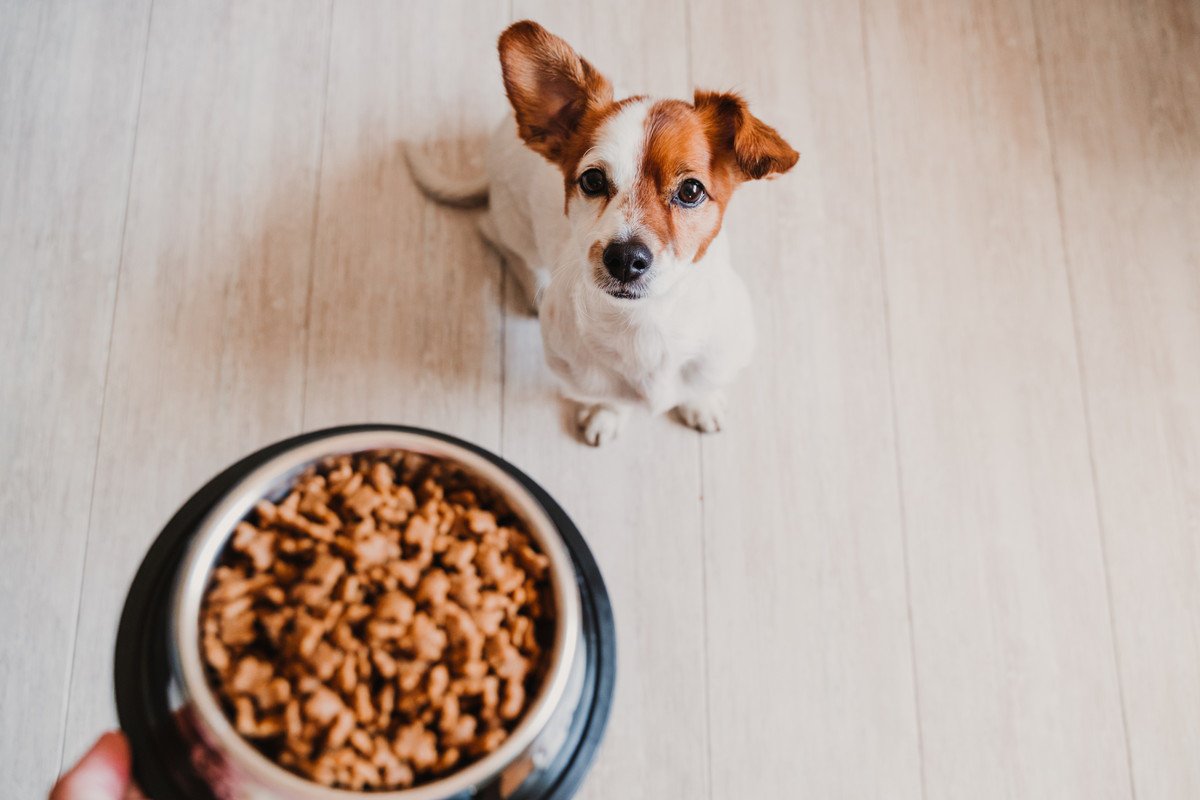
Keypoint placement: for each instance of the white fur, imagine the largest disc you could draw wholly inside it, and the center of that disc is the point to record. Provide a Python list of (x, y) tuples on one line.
[(619, 145), (678, 347)]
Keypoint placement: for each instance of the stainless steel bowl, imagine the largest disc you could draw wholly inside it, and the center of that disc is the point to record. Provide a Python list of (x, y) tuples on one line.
[(236, 770)]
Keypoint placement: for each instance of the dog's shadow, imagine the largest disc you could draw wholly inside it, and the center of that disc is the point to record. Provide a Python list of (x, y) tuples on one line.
[(366, 303)]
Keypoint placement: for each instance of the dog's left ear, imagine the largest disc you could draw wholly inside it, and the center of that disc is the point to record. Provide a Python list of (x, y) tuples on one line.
[(757, 150), (549, 85)]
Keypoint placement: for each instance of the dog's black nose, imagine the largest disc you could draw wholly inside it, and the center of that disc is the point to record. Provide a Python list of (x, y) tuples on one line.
[(626, 261)]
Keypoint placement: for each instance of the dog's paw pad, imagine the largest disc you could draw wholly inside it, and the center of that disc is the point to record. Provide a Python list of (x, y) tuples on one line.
[(599, 425), (706, 416)]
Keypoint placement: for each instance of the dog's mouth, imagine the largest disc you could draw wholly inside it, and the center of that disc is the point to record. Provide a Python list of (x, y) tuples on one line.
[(622, 290)]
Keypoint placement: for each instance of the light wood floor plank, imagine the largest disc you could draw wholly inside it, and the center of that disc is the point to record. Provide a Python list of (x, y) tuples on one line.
[(406, 314), (637, 499), (1015, 666), (1123, 90), (810, 677), (70, 74), (207, 352)]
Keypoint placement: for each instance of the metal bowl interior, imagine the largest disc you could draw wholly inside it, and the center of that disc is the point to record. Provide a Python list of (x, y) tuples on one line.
[(272, 480)]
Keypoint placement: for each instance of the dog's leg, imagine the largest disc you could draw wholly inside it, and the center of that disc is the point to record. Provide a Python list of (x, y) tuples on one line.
[(599, 423), (533, 280), (705, 413)]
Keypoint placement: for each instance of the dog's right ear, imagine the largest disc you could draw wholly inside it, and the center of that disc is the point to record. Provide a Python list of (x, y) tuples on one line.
[(549, 85), (755, 148)]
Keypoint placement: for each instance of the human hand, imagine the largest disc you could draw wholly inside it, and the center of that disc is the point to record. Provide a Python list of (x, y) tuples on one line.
[(102, 774)]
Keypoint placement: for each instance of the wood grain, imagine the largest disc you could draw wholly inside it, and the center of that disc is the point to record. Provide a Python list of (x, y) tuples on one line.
[(405, 321), (810, 673), (636, 500), (70, 74), (1014, 654), (1123, 93), (207, 358)]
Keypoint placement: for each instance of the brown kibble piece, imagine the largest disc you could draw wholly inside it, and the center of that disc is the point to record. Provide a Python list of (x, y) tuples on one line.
[(310, 631), (384, 663), (416, 745), (433, 588), (409, 675), (215, 654), (323, 706), (274, 694), (438, 682), (238, 631), (250, 726), (395, 607), (325, 660), (514, 700), (343, 725), (407, 572), (459, 555), (425, 639), (374, 550), (481, 521), (461, 732), (362, 742), (257, 545), (363, 501), (492, 739), (363, 708)]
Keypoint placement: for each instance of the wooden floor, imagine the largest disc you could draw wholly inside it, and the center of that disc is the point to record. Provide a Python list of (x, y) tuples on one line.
[(949, 546)]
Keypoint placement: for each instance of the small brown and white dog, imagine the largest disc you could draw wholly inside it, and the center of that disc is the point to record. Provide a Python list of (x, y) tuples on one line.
[(609, 213)]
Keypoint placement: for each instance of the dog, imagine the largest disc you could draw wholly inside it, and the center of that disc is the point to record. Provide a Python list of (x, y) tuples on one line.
[(608, 213)]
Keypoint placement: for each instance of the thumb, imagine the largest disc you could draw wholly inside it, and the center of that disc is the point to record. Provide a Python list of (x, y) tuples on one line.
[(102, 774)]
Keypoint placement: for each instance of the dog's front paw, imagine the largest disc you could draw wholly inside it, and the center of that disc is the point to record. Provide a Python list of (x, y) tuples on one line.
[(599, 424), (706, 415)]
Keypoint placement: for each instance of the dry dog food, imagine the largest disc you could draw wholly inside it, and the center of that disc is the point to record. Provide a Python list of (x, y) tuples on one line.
[(383, 625)]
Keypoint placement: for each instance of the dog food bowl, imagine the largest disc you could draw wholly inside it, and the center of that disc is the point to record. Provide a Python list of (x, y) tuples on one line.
[(185, 747)]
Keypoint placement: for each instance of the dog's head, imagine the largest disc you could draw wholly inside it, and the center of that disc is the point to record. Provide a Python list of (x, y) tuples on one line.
[(647, 182)]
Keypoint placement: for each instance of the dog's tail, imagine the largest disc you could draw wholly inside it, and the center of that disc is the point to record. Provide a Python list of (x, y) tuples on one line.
[(469, 192)]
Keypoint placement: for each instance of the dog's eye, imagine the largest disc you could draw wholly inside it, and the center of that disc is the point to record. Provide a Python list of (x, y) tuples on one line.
[(592, 182), (690, 193)]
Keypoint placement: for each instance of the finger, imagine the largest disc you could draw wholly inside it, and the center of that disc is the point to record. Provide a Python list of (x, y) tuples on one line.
[(102, 774)]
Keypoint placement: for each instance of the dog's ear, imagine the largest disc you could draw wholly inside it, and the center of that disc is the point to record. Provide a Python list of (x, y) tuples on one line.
[(756, 149), (549, 85)]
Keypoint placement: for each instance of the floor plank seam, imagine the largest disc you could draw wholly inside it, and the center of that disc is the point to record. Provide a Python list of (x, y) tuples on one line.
[(316, 220), (112, 325), (503, 267), (687, 44), (1082, 384), (704, 618), (504, 320), (708, 748), (895, 417)]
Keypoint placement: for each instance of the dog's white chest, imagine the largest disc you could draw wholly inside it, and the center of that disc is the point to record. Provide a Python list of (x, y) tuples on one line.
[(642, 360)]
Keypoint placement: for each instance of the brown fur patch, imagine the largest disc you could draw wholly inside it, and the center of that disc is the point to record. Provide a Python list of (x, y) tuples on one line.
[(551, 88), (753, 148), (677, 148), (715, 141)]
